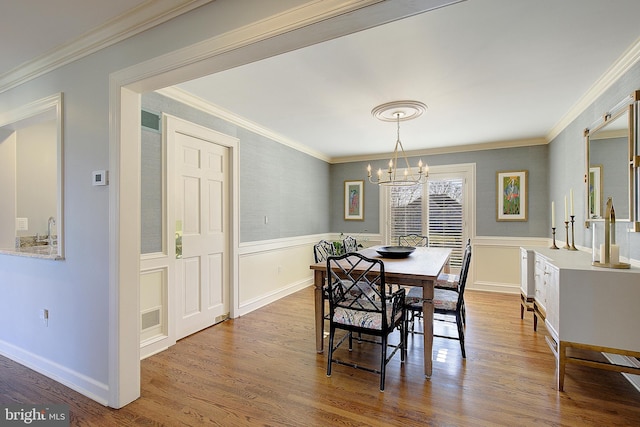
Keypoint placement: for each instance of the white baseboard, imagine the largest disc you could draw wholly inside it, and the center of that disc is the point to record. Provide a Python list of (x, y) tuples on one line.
[(263, 300), (504, 288), (74, 380)]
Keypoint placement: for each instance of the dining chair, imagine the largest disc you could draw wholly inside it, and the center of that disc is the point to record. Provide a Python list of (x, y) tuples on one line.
[(446, 302), (413, 240), (322, 250), (358, 303), (349, 244), (448, 281), (451, 281)]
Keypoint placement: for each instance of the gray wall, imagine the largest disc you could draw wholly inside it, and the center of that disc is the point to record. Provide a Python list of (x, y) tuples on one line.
[(150, 190), (488, 162), (567, 156), (288, 187), (37, 176)]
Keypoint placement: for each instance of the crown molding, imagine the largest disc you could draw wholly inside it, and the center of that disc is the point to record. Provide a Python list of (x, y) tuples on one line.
[(627, 60), (141, 18), (446, 150), (193, 101)]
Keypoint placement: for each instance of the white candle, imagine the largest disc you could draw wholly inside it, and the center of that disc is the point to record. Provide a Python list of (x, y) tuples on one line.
[(566, 218), (614, 256), (553, 215), (602, 254), (571, 194)]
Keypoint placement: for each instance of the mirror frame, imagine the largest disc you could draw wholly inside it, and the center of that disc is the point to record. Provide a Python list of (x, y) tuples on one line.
[(630, 106), (49, 105)]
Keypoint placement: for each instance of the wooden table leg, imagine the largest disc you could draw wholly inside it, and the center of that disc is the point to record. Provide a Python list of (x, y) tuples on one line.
[(427, 321), (318, 281), (561, 361)]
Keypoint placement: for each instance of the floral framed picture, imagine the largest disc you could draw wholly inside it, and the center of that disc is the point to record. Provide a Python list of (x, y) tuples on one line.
[(354, 200), (511, 195)]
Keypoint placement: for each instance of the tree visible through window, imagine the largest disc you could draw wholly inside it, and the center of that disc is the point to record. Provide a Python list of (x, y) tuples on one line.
[(446, 217)]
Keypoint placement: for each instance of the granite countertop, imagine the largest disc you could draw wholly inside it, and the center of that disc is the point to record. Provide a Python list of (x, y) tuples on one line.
[(42, 251)]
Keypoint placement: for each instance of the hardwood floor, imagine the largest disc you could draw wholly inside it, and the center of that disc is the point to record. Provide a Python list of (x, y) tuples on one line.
[(262, 369)]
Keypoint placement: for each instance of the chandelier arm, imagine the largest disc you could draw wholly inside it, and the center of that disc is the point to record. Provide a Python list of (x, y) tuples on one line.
[(409, 177)]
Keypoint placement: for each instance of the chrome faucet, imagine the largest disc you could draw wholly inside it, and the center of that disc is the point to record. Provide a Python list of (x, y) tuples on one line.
[(50, 224)]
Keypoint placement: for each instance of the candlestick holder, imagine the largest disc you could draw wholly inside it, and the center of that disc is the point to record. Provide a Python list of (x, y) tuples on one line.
[(573, 235), (566, 240), (553, 232)]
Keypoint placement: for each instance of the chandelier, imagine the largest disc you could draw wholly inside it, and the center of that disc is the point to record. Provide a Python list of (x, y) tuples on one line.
[(399, 111)]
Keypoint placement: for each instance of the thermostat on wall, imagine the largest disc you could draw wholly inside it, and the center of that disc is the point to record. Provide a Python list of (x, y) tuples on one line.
[(100, 178)]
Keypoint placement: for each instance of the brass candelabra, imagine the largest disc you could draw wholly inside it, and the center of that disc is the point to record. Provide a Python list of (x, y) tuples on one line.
[(573, 235), (553, 232)]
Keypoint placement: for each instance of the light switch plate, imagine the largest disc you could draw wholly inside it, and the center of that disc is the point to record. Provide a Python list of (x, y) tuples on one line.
[(100, 178)]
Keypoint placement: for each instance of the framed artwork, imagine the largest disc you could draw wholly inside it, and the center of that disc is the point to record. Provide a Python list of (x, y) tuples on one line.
[(354, 200), (595, 191), (511, 195)]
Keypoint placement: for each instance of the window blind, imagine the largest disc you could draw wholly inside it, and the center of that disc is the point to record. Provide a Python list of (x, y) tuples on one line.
[(405, 212), (445, 217)]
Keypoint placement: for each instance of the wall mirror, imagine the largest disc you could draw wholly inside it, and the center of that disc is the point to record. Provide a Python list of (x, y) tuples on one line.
[(611, 169), (31, 186)]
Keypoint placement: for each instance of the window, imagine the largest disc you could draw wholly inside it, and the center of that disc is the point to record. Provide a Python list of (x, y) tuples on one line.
[(440, 209), (405, 211), (445, 216)]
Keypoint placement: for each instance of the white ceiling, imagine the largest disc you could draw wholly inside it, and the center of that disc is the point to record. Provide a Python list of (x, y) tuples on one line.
[(489, 70)]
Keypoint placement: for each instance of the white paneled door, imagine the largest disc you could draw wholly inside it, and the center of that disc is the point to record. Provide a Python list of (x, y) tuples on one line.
[(202, 224)]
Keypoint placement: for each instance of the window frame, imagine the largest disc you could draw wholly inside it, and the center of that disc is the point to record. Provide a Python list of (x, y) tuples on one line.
[(466, 171)]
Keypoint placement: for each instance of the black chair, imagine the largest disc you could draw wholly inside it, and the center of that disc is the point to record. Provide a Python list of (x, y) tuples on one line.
[(446, 302), (323, 250), (349, 244), (451, 281), (413, 240), (358, 303)]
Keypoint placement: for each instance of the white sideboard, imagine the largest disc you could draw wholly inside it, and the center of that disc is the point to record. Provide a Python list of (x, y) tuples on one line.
[(583, 306)]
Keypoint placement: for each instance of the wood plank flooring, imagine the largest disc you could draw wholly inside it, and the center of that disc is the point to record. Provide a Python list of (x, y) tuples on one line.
[(262, 369)]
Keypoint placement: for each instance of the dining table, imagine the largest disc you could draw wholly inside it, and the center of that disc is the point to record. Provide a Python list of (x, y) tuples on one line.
[(420, 268)]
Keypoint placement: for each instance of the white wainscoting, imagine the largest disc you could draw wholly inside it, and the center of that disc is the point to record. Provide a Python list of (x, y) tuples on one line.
[(495, 264), (270, 270)]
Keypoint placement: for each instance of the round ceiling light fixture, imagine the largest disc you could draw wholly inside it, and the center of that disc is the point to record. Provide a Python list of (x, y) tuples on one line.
[(406, 110)]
